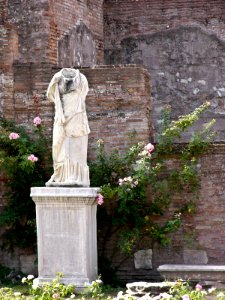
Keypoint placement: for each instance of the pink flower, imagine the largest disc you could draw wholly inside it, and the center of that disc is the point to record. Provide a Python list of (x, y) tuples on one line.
[(100, 199), (55, 296), (149, 147), (37, 121), (120, 181), (198, 287), (186, 297), (32, 158), (14, 136)]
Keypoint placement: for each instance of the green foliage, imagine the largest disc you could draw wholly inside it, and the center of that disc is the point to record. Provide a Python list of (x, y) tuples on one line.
[(49, 290), (179, 290), (182, 290), (95, 290), (21, 173), (4, 272), (56, 290), (9, 294), (138, 186), (221, 296)]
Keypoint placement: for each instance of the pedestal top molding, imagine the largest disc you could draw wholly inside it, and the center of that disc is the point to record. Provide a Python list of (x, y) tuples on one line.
[(64, 192)]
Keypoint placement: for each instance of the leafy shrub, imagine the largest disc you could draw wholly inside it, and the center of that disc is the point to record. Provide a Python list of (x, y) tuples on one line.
[(138, 186), (49, 290), (24, 162), (4, 272)]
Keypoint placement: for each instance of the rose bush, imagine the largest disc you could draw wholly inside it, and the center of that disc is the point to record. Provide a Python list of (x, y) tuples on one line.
[(24, 162)]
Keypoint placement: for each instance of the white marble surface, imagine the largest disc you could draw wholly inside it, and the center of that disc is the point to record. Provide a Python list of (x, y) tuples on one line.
[(64, 191), (66, 232), (68, 89), (191, 268)]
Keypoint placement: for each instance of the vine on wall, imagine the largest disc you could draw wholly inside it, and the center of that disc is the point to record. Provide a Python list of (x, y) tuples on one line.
[(138, 186)]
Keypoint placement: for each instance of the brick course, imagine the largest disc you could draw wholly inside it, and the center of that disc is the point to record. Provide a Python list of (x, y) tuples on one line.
[(118, 101), (126, 18)]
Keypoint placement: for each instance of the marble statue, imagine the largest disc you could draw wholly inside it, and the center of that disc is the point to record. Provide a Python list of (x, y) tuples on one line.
[(68, 89)]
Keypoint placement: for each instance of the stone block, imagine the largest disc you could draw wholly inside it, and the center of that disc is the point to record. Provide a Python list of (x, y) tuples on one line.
[(195, 257), (195, 273), (140, 288), (28, 264), (143, 259)]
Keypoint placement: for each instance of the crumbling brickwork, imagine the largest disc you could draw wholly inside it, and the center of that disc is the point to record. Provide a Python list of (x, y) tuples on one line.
[(40, 24), (181, 43), (118, 102), (66, 14), (125, 18)]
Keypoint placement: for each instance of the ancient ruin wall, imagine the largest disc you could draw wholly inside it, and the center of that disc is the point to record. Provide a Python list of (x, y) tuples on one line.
[(182, 45), (125, 18), (118, 102), (65, 33), (66, 14), (40, 24)]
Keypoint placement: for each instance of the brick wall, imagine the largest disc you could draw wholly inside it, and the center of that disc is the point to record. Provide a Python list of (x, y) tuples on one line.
[(29, 20), (8, 53), (118, 101), (40, 24), (126, 18), (181, 43), (210, 217), (201, 232), (66, 14), (77, 48)]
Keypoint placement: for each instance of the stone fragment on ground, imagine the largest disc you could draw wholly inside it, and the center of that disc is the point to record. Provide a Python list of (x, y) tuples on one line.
[(144, 290)]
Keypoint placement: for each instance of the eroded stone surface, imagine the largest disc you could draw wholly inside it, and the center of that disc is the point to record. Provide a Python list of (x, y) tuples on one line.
[(28, 264), (193, 257), (215, 273), (187, 68), (66, 230), (144, 290), (143, 259)]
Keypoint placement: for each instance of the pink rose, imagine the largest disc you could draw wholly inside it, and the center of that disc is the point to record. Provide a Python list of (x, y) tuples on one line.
[(120, 181), (14, 136), (149, 147), (100, 199), (198, 287), (37, 121), (32, 158)]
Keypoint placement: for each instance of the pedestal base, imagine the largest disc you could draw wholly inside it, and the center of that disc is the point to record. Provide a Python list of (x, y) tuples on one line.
[(66, 232)]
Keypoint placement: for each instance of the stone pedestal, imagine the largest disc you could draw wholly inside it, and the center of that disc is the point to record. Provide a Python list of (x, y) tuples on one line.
[(66, 233)]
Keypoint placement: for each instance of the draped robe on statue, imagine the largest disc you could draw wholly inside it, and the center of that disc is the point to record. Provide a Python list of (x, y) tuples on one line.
[(68, 89)]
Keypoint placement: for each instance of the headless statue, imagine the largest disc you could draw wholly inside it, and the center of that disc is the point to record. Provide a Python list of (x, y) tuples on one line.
[(68, 89)]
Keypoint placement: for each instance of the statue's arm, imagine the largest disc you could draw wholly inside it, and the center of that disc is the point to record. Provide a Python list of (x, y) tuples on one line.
[(51, 87), (85, 87)]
